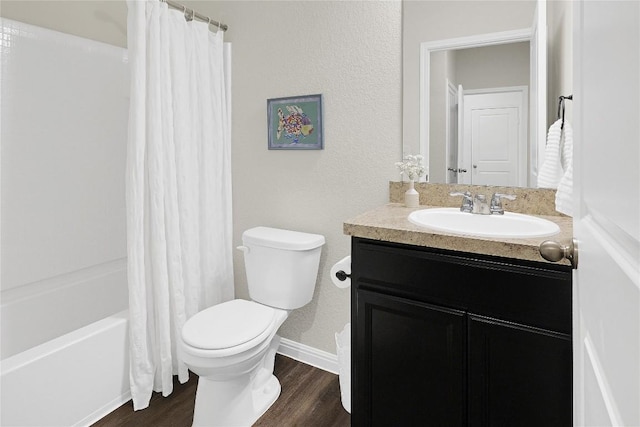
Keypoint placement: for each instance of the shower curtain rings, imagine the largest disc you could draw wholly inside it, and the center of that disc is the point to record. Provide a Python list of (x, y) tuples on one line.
[(188, 12)]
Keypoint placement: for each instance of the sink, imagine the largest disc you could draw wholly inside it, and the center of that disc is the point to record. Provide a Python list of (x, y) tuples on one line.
[(509, 225)]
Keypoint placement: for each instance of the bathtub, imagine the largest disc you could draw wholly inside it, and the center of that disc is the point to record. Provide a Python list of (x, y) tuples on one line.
[(65, 348), (72, 380)]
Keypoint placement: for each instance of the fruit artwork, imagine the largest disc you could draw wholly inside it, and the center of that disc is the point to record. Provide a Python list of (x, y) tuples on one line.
[(294, 125)]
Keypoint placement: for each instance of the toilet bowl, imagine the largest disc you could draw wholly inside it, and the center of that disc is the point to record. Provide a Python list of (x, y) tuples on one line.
[(232, 346)]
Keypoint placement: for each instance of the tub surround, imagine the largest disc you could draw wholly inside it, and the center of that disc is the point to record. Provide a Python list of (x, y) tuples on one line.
[(390, 222)]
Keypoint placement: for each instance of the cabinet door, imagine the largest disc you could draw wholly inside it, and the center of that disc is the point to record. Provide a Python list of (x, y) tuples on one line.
[(409, 363), (518, 376)]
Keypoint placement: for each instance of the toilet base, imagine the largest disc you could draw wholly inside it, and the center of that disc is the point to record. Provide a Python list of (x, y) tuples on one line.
[(229, 406), (239, 401)]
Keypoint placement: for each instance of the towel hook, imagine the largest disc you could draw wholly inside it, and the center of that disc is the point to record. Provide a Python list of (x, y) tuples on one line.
[(561, 108)]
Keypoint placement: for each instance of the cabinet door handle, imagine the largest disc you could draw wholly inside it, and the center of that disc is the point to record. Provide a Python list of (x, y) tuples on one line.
[(554, 251)]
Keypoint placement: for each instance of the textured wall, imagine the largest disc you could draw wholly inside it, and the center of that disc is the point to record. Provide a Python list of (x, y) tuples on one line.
[(351, 53), (348, 51)]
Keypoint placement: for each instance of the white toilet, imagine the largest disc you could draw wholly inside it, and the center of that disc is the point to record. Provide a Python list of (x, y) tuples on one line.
[(232, 346)]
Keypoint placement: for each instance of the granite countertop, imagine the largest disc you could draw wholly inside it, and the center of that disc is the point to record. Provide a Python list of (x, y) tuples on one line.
[(389, 223)]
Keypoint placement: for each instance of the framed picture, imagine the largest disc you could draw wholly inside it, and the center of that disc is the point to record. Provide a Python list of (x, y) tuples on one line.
[(295, 123)]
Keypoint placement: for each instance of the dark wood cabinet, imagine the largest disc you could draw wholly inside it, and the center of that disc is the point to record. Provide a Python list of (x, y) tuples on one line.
[(517, 375), (426, 343), (453, 339)]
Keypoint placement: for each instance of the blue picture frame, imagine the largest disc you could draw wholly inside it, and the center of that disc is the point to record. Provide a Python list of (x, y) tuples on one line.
[(295, 123)]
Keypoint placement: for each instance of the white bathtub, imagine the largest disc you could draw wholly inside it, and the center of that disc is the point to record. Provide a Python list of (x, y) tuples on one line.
[(72, 380)]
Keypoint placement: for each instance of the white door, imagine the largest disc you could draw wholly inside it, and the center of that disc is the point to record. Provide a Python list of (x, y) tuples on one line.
[(607, 213), (495, 138)]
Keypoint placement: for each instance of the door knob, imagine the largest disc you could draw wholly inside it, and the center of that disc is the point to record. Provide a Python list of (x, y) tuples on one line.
[(462, 170), (554, 251)]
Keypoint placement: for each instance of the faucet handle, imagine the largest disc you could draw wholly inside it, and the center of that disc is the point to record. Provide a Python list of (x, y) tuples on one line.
[(467, 201), (496, 202)]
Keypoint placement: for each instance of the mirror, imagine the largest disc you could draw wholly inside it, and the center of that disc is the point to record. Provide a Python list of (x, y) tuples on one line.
[(472, 92)]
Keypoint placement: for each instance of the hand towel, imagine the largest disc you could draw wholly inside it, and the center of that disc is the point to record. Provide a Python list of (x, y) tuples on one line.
[(564, 195), (551, 172)]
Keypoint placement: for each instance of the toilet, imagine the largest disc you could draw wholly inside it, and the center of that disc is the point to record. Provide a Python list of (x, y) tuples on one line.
[(232, 346)]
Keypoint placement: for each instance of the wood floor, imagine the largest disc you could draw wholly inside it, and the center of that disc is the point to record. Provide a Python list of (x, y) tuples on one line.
[(310, 398)]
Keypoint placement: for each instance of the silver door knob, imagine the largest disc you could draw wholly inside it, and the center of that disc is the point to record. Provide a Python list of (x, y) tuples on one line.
[(554, 252)]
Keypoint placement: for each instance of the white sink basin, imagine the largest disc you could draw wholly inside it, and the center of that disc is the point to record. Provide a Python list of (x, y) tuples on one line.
[(509, 225)]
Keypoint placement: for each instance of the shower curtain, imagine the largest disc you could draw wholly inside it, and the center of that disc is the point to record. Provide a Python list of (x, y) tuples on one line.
[(178, 187)]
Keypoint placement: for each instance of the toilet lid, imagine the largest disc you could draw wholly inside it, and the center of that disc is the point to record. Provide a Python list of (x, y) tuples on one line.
[(227, 325)]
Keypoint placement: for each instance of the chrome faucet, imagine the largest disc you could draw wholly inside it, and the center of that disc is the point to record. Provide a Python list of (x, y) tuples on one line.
[(478, 204), (496, 202), (467, 201)]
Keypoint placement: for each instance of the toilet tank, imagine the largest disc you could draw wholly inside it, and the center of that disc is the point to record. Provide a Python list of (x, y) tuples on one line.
[(281, 266)]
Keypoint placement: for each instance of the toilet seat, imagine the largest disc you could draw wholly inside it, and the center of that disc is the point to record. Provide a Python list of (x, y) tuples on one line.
[(238, 324)]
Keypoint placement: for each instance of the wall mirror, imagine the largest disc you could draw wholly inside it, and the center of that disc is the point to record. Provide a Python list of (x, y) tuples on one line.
[(474, 89)]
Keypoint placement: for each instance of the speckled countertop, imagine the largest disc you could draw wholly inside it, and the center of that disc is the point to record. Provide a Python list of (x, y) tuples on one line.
[(389, 223)]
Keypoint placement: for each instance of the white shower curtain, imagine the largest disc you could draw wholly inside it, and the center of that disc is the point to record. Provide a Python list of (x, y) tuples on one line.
[(178, 190)]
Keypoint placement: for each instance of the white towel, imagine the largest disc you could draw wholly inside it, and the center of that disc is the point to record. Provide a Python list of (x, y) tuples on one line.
[(564, 195), (551, 172)]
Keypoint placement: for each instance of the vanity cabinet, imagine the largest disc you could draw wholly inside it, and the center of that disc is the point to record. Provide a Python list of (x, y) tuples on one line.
[(447, 338)]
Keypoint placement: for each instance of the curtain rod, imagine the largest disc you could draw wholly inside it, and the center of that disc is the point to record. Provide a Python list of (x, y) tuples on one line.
[(195, 15)]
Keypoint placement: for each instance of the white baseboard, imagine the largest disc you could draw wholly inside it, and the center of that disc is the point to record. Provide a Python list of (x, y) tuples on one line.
[(309, 355), (105, 410)]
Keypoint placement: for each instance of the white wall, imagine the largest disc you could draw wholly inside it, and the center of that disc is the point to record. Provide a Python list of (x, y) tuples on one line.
[(64, 124), (351, 53), (442, 66), (560, 56), (493, 66), (348, 51)]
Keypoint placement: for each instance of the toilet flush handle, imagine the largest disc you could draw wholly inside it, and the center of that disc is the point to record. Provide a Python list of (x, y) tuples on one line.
[(244, 249)]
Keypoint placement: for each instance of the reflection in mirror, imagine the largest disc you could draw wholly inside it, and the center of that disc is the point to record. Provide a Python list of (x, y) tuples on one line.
[(472, 92), (477, 112)]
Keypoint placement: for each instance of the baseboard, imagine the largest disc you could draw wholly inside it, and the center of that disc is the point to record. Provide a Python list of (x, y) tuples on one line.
[(309, 355), (105, 410)]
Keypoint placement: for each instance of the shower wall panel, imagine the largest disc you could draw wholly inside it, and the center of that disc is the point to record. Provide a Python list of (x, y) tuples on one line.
[(63, 129)]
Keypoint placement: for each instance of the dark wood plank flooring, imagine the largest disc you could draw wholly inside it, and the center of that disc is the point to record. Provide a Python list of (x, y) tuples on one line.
[(310, 398)]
